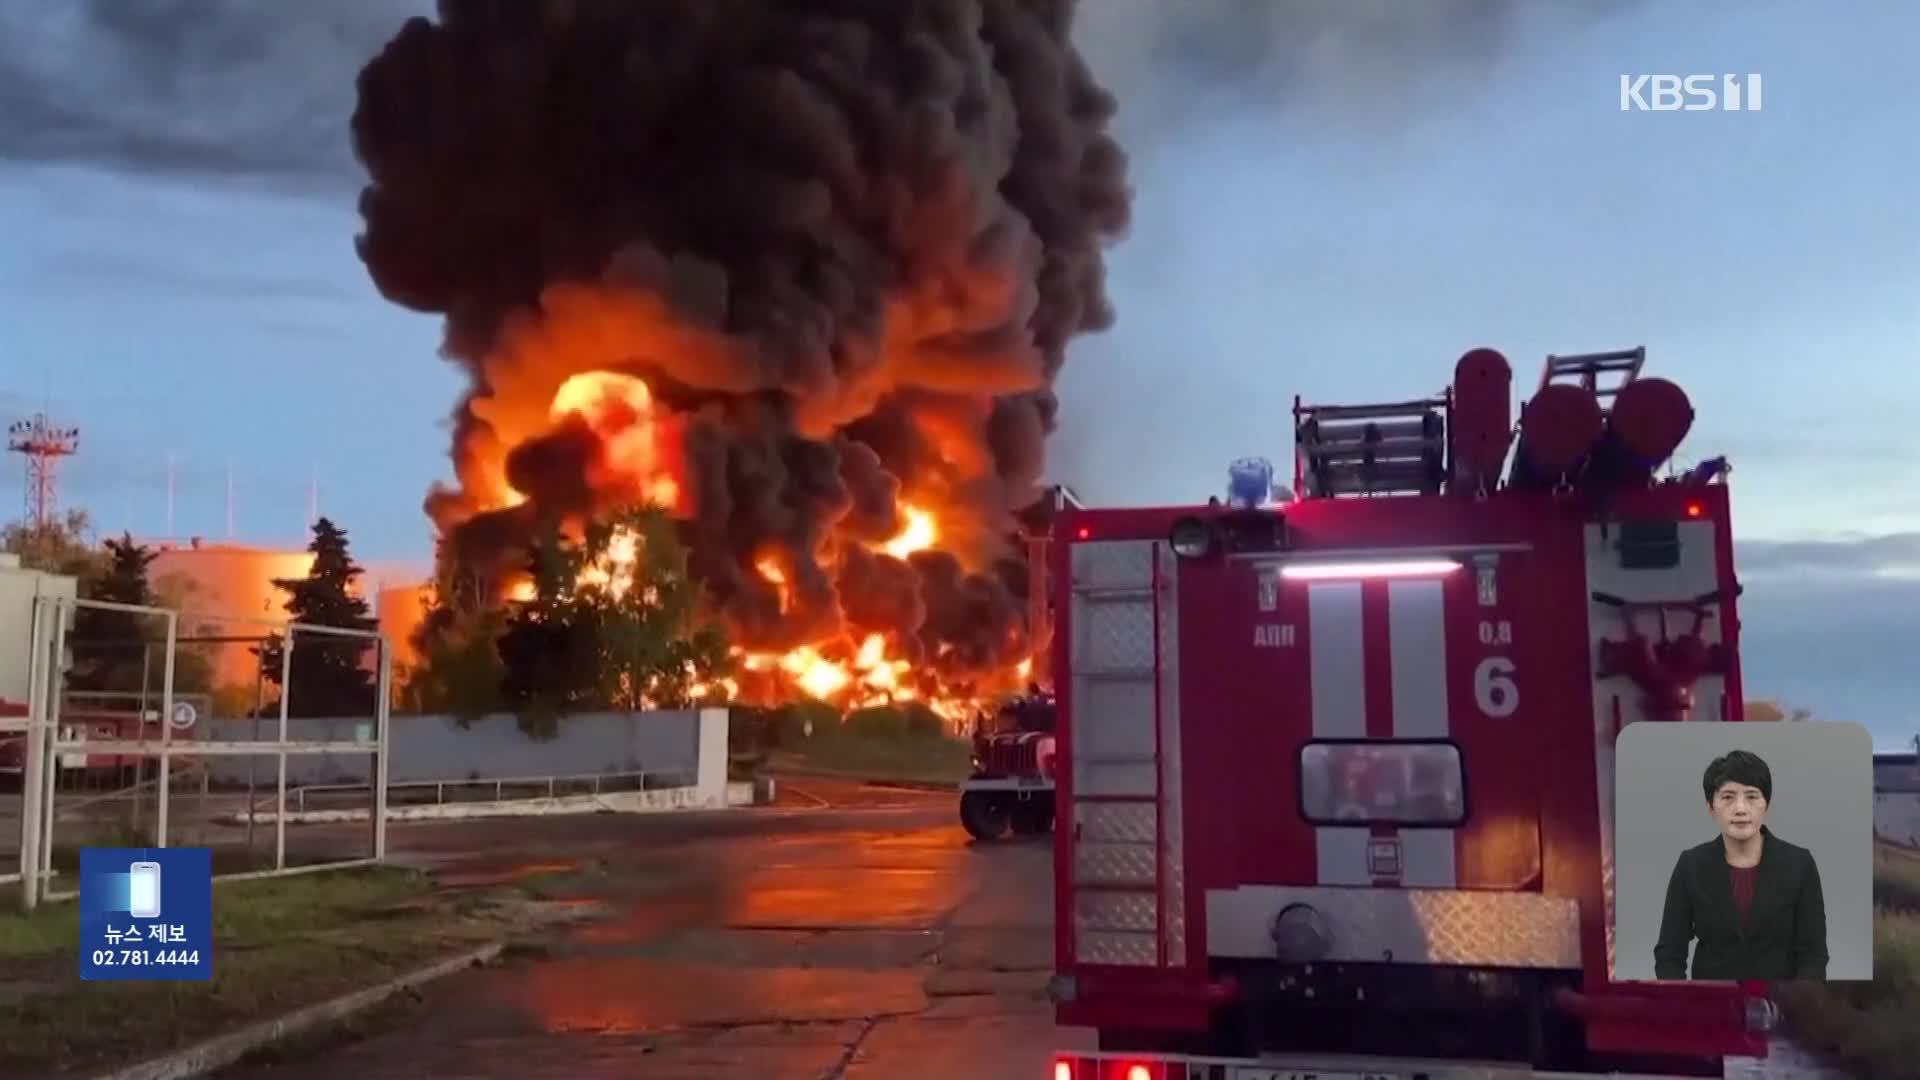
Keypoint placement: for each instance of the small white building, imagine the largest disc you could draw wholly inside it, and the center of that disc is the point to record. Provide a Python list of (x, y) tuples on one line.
[(18, 588)]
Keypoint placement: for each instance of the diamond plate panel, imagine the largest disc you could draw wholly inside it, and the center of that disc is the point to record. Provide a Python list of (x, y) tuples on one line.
[(1132, 779), (1101, 947), (1173, 876), (1113, 864), (1113, 635), (1407, 926), (1113, 564), (1111, 823), (1127, 912), (1116, 718)]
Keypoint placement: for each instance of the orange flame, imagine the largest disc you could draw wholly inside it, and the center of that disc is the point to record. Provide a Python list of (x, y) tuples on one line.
[(640, 457), (619, 409), (918, 534)]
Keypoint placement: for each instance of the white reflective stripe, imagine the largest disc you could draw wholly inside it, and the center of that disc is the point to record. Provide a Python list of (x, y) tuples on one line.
[(1417, 642), (1338, 684), (1337, 653), (1416, 621)]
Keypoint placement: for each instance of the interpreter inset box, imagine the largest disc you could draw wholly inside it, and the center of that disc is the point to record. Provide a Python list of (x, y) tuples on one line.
[(1743, 851)]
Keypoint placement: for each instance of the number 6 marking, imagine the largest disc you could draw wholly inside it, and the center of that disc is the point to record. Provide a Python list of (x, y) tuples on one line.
[(1493, 688)]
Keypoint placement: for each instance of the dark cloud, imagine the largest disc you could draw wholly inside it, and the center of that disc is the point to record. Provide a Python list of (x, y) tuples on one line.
[(237, 88), (1178, 66), (96, 268), (1891, 554)]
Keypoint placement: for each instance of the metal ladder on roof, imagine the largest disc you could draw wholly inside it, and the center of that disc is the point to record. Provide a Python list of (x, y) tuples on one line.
[(1387, 449), (1586, 369)]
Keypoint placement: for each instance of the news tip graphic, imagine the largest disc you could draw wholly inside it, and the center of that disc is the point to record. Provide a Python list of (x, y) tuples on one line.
[(1679, 850), (146, 913)]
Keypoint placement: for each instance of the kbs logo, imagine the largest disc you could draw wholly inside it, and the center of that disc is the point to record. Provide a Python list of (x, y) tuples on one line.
[(1689, 93)]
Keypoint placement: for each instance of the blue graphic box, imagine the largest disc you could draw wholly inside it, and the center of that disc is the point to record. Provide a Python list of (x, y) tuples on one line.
[(146, 913)]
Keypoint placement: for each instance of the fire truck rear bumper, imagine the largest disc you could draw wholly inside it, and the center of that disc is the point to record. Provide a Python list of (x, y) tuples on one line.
[(1088, 999), (1674, 1019)]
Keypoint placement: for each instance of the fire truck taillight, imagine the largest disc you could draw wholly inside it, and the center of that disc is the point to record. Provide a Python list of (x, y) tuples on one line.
[(1063, 1070), (1373, 568)]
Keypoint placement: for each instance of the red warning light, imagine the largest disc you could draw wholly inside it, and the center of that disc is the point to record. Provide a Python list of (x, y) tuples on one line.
[(1062, 1070), (1139, 1072), (1083, 532), (1694, 509)]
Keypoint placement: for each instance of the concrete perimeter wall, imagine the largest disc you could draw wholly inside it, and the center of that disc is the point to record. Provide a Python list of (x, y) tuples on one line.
[(1896, 817), (438, 748)]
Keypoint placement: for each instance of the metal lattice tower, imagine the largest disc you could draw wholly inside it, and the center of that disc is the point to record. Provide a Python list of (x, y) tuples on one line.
[(43, 445)]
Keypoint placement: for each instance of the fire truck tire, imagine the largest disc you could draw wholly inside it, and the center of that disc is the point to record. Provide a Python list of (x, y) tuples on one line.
[(986, 815)]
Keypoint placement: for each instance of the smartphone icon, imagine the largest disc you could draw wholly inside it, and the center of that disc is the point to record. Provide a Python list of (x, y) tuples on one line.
[(143, 890)]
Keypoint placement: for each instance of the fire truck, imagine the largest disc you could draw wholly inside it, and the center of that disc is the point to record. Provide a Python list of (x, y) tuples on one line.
[(1335, 767), (1011, 788)]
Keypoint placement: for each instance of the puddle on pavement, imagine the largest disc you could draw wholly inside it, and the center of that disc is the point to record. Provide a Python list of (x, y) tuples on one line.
[(621, 995), (843, 896), (482, 874), (852, 950)]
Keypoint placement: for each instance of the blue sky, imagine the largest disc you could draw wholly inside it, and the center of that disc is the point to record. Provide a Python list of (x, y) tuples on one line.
[(1326, 204)]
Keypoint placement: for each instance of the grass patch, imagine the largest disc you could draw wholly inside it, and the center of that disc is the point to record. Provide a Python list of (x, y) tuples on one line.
[(911, 759), (279, 944), (1869, 1026)]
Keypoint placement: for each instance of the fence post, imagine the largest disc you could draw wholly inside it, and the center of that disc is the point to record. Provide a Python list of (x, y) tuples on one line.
[(35, 751), (166, 730), (383, 721), (280, 802), (50, 777)]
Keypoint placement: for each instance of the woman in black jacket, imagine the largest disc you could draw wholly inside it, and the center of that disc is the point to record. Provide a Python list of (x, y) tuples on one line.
[(1752, 899)]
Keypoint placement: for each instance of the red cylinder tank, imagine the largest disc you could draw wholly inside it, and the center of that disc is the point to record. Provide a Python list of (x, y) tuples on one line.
[(1649, 419), (1558, 427), (1482, 418)]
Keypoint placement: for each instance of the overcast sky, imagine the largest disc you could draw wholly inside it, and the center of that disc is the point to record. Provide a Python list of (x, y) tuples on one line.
[(1328, 202)]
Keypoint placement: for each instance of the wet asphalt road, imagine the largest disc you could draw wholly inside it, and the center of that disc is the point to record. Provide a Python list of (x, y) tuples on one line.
[(869, 940)]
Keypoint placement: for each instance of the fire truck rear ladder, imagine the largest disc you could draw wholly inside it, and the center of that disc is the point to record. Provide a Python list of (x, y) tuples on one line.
[(1126, 878)]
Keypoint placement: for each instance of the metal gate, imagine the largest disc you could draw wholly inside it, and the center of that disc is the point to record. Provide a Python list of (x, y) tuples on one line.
[(47, 742)]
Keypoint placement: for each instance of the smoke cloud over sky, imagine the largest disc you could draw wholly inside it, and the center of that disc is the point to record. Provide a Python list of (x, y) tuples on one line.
[(1330, 199)]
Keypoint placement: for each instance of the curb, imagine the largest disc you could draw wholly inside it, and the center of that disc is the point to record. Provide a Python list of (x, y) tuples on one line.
[(913, 785), (223, 1050), (869, 779)]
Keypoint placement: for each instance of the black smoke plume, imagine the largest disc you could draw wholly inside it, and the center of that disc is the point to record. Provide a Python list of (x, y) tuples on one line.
[(845, 242)]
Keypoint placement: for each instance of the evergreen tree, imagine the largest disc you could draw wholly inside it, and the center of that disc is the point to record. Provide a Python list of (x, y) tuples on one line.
[(330, 675), (109, 646), (124, 651)]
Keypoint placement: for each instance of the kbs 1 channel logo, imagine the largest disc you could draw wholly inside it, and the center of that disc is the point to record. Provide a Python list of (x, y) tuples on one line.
[(1690, 93), (146, 913)]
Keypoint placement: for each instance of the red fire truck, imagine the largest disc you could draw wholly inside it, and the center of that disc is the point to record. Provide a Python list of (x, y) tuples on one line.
[(1334, 776), (1011, 788)]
